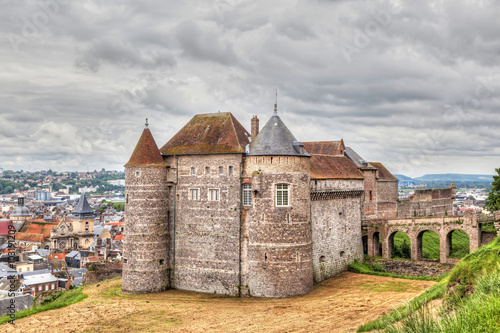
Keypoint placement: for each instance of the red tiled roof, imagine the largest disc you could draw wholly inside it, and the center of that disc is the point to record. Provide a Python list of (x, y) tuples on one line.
[(115, 224), (333, 148), (383, 173), (39, 238), (333, 167), (57, 256), (118, 238), (4, 227), (39, 228), (209, 133), (92, 259), (146, 152)]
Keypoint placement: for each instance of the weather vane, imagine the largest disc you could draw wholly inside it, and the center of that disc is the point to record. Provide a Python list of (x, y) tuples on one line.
[(147, 124)]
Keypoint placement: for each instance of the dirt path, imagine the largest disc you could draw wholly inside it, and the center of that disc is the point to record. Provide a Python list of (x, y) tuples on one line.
[(340, 304)]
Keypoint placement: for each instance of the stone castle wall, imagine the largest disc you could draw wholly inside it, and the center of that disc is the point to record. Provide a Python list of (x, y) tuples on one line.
[(206, 231), (435, 202), (146, 237), (370, 196), (277, 241), (336, 226)]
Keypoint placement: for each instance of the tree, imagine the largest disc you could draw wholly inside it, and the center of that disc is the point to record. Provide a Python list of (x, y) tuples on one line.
[(493, 201)]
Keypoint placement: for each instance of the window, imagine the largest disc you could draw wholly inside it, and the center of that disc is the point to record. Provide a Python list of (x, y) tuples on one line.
[(207, 170), (162, 261), (86, 226), (221, 170), (27, 269), (213, 195), (231, 170), (193, 171), (46, 287), (282, 195), (52, 286), (247, 195), (371, 196), (20, 270), (137, 174), (194, 194), (126, 198)]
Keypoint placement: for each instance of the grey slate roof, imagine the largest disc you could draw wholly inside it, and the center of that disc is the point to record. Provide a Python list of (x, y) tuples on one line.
[(43, 252), (358, 160), (21, 211), (5, 270), (82, 208), (276, 139)]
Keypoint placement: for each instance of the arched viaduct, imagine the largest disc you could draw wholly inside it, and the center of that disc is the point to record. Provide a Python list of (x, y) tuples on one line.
[(443, 226)]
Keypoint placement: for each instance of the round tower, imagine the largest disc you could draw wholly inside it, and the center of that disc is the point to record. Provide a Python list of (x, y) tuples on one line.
[(145, 267), (278, 234)]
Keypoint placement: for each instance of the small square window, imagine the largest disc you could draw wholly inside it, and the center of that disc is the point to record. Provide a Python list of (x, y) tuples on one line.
[(231, 170), (137, 174), (194, 194), (207, 170), (162, 261), (221, 170), (193, 171), (213, 195)]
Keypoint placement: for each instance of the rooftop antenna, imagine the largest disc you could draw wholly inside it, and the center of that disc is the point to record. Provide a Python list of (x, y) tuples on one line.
[(147, 124), (276, 104)]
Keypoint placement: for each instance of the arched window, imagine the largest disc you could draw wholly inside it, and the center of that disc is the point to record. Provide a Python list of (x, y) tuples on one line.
[(247, 194), (86, 226)]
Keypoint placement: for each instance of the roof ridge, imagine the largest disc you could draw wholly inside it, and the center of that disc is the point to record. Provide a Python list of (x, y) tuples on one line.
[(234, 128)]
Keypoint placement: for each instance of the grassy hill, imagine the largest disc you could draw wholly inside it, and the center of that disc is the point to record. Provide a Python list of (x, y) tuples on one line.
[(471, 294)]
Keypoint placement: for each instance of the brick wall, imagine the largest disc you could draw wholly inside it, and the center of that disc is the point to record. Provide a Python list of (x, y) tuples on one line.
[(146, 237), (277, 241), (207, 232), (336, 227)]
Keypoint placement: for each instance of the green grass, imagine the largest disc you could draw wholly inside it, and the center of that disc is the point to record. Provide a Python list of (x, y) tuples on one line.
[(478, 313), (55, 301), (472, 299), (378, 270)]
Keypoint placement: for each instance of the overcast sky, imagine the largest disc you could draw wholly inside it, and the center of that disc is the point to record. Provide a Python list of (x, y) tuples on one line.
[(414, 85)]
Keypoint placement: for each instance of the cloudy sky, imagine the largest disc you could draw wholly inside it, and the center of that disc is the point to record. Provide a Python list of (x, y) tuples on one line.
[(414, 85)]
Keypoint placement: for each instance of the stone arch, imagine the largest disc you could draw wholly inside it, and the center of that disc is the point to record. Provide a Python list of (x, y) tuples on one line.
[(401, 239), (376, 244), (420, 245), (452, 253), (365, 244)]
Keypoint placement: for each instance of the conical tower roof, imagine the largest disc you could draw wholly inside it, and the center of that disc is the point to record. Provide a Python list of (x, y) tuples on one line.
[(82, 208), (146, 153), (276, 139)]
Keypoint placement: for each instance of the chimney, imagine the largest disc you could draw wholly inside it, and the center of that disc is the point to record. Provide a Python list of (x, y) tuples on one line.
[(255, 127)]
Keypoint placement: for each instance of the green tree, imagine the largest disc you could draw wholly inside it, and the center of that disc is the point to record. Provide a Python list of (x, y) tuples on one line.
[(493, 201)]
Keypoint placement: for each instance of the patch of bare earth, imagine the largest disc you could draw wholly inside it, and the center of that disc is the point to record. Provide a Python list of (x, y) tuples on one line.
[(340, 304)]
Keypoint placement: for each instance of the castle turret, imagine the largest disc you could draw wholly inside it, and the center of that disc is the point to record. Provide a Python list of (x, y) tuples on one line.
[(276, 228), (82, 221), (146, 268)]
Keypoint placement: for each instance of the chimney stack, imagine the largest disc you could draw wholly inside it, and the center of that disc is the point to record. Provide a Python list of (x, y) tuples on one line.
[(255, 127)]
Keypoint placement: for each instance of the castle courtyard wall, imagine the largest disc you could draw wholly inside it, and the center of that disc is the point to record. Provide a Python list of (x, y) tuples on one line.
[(336, 226)]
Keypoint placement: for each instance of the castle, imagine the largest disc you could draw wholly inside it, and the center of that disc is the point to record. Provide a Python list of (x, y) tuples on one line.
[(220, 210)]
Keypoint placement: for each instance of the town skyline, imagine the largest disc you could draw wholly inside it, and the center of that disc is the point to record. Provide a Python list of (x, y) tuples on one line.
[(412, 85)]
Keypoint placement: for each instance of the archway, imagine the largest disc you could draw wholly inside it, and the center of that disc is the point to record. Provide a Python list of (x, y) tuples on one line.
[(457, 244), (400, 245), (428, 245), (365, 244), (377, 244)]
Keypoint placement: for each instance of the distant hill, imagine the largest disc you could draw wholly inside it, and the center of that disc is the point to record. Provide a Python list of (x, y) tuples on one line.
[(454, 177), (403, 178)]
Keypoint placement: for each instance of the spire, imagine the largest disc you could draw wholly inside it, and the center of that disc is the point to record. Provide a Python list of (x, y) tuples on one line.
[(82, 208), (146, 152), (276, 104)]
